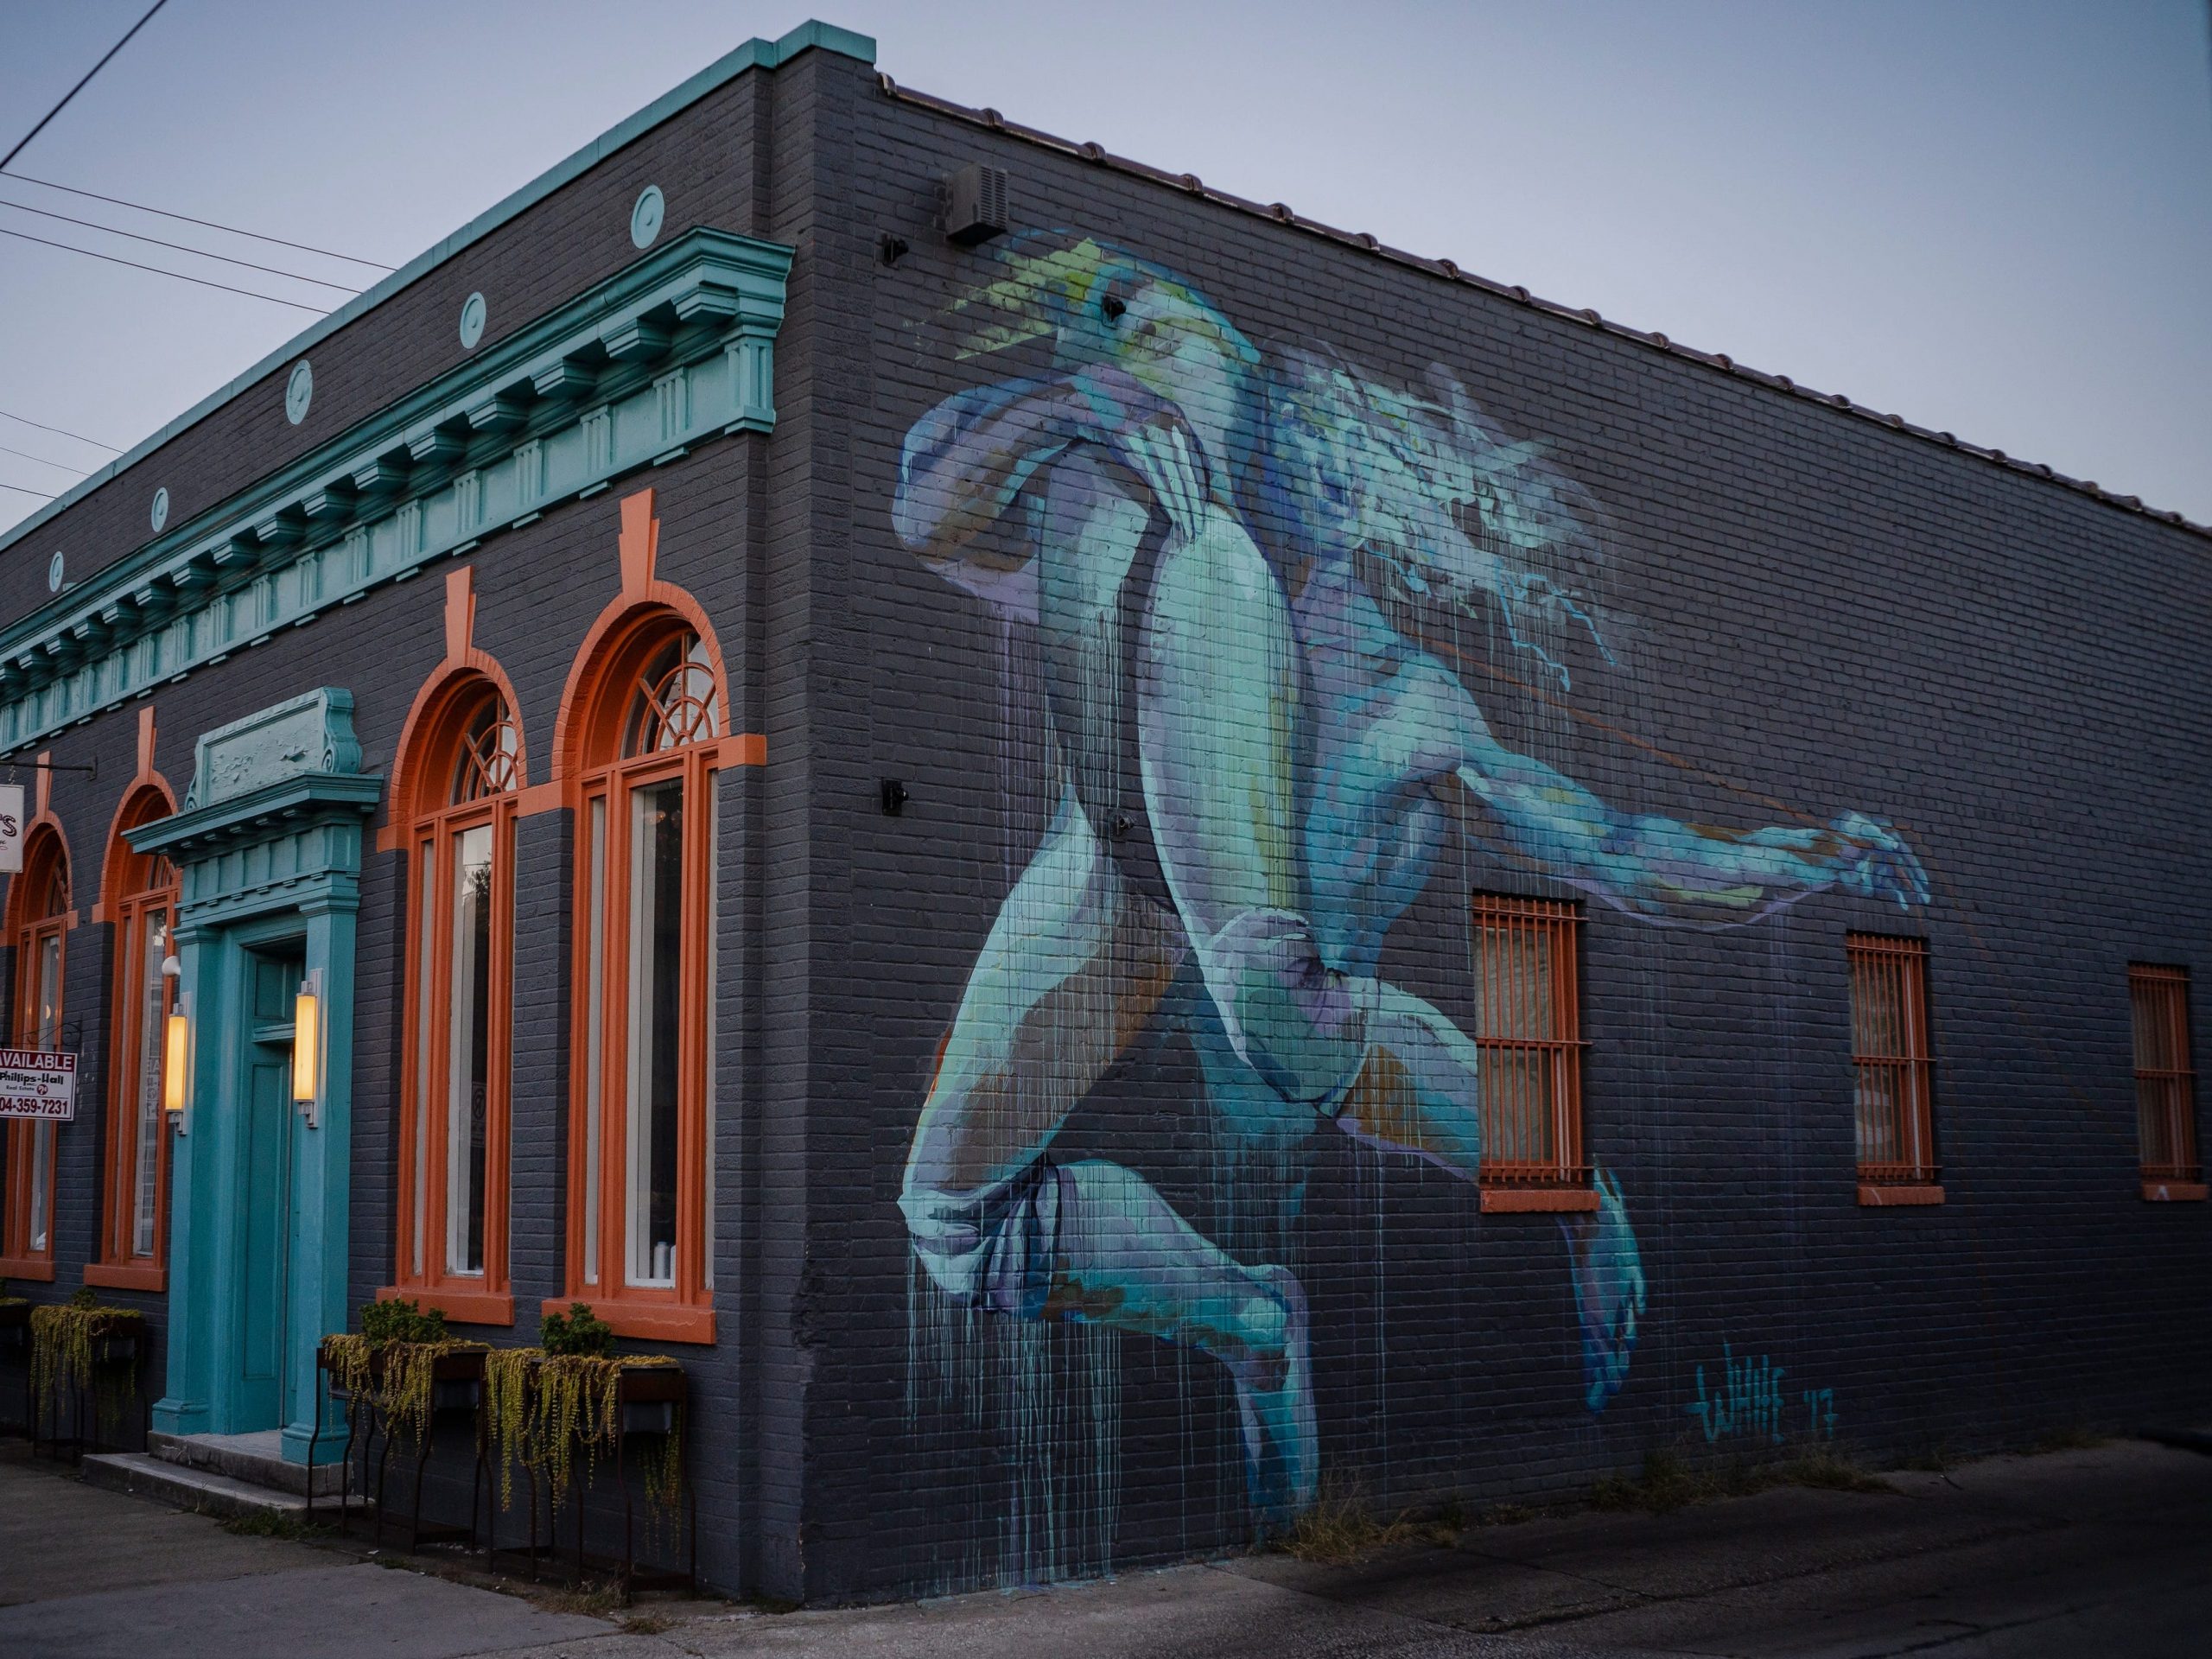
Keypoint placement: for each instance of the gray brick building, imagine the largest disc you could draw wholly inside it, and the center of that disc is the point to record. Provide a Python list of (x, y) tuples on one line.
[(1116, 858)]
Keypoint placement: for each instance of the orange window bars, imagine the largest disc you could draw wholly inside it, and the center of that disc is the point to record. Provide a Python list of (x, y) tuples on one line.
[(1528, 1030), (2165, 1087), (142, 904), (642, 1107), (39, 918), (454, 1139), (1892, 1068)]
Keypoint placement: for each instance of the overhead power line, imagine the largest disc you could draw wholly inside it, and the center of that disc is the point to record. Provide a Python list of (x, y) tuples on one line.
[(94, 225), (23, 141), (62, 466), (212, 224), (43, 495), (24, 236), (64, 431)]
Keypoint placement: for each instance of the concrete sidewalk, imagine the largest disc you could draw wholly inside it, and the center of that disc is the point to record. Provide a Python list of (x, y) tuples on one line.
[(2104, 1551)]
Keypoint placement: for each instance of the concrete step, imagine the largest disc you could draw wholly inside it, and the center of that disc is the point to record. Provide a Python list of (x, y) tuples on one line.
[(257, 1459), (200, 1489)]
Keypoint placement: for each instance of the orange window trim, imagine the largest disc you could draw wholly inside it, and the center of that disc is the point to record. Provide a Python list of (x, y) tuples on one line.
[(681, 1312), (2166, 1084), (427, 1122), (117, 1265), (46, 863), (1892, 1067), (1561, 1182), (425, 1118)]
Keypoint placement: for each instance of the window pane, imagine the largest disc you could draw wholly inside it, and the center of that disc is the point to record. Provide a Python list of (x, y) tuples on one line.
[(154, 937), (426, 958), (595, 1029), (469, 1049), (656, 984), (674, 702)]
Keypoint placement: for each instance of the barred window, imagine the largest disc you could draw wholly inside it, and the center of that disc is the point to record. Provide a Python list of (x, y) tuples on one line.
[(1892, 1067), (2165, 1087), (1528, 1030)]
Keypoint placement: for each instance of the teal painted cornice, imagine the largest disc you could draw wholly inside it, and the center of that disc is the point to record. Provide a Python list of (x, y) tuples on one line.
[(755, 53), (674, 348)]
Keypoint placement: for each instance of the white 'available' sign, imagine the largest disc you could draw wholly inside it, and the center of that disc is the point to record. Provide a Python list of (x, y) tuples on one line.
[(35, 1082)]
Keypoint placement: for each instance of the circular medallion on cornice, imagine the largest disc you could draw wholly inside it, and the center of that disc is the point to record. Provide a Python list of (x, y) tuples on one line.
[(473, 314), (159, 516), (299, 391), (53, 570), (645, 217)]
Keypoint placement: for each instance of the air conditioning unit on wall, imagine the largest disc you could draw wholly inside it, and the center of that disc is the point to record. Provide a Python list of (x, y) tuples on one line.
[(976, 211)]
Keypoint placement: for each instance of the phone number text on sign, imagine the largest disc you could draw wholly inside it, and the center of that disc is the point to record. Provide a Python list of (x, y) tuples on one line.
[(36, 1083)]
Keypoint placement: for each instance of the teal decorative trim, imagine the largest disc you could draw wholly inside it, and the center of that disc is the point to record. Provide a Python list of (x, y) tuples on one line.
[(299, 393), (158, 514), (306, 734), (672, 349), (645, 217), (268, 852), (754, 54), (56, 567), (473, 314)]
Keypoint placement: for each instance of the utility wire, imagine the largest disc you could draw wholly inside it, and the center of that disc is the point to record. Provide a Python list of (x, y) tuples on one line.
[(65, 432), (157, 270), (23, 141), (41, 494), (212, 224), (94, 225), (62, 465)]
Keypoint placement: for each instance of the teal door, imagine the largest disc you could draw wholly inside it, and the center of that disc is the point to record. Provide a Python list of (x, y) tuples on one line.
[(265, 1198)]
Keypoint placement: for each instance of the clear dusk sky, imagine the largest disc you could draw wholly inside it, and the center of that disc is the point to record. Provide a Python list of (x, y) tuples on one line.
[(1991, 216)]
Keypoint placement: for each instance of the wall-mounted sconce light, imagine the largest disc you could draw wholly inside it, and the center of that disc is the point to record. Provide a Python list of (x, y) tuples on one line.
[(176, 1061), (176, 1046), (307, 1043)]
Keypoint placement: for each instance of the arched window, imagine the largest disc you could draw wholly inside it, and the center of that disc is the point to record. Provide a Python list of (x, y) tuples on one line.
[(39, 919), (646, 750), (139, 894), (457, 784)]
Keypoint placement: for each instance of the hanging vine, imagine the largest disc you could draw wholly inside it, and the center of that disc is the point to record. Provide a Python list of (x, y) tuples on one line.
[(392, 1362), (70, 1350), (546, 1404)]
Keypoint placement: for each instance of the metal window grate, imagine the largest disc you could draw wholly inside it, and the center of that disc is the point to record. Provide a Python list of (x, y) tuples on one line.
[(1890, 1059), (1528, 1030), (2165, 1087)]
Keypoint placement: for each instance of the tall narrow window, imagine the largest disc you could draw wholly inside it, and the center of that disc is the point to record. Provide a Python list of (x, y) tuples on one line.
[(462, 780), (1527, 1032), (39, 903), (1891, 1070), (644, 880), (2165, 1087), (139, 892)]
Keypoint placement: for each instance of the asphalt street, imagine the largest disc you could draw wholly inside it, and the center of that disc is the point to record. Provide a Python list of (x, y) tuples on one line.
[(2102, 1551)]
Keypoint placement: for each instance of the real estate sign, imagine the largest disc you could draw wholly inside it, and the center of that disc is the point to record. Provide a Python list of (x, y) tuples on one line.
[(37, 1082), (11, 828)]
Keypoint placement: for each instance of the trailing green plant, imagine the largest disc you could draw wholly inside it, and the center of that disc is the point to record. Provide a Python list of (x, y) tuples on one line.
[(392, 1361), (550, 1402), (68, 1352)]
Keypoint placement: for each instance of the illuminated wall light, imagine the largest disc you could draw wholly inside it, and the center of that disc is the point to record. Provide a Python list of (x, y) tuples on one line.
[(306, 1043), (177, 1062)]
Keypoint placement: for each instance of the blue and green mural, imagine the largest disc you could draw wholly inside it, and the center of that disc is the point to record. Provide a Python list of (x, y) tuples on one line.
[(1250, 571)]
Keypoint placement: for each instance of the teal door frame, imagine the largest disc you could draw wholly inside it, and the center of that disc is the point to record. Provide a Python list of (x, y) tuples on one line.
[(267, 850)]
